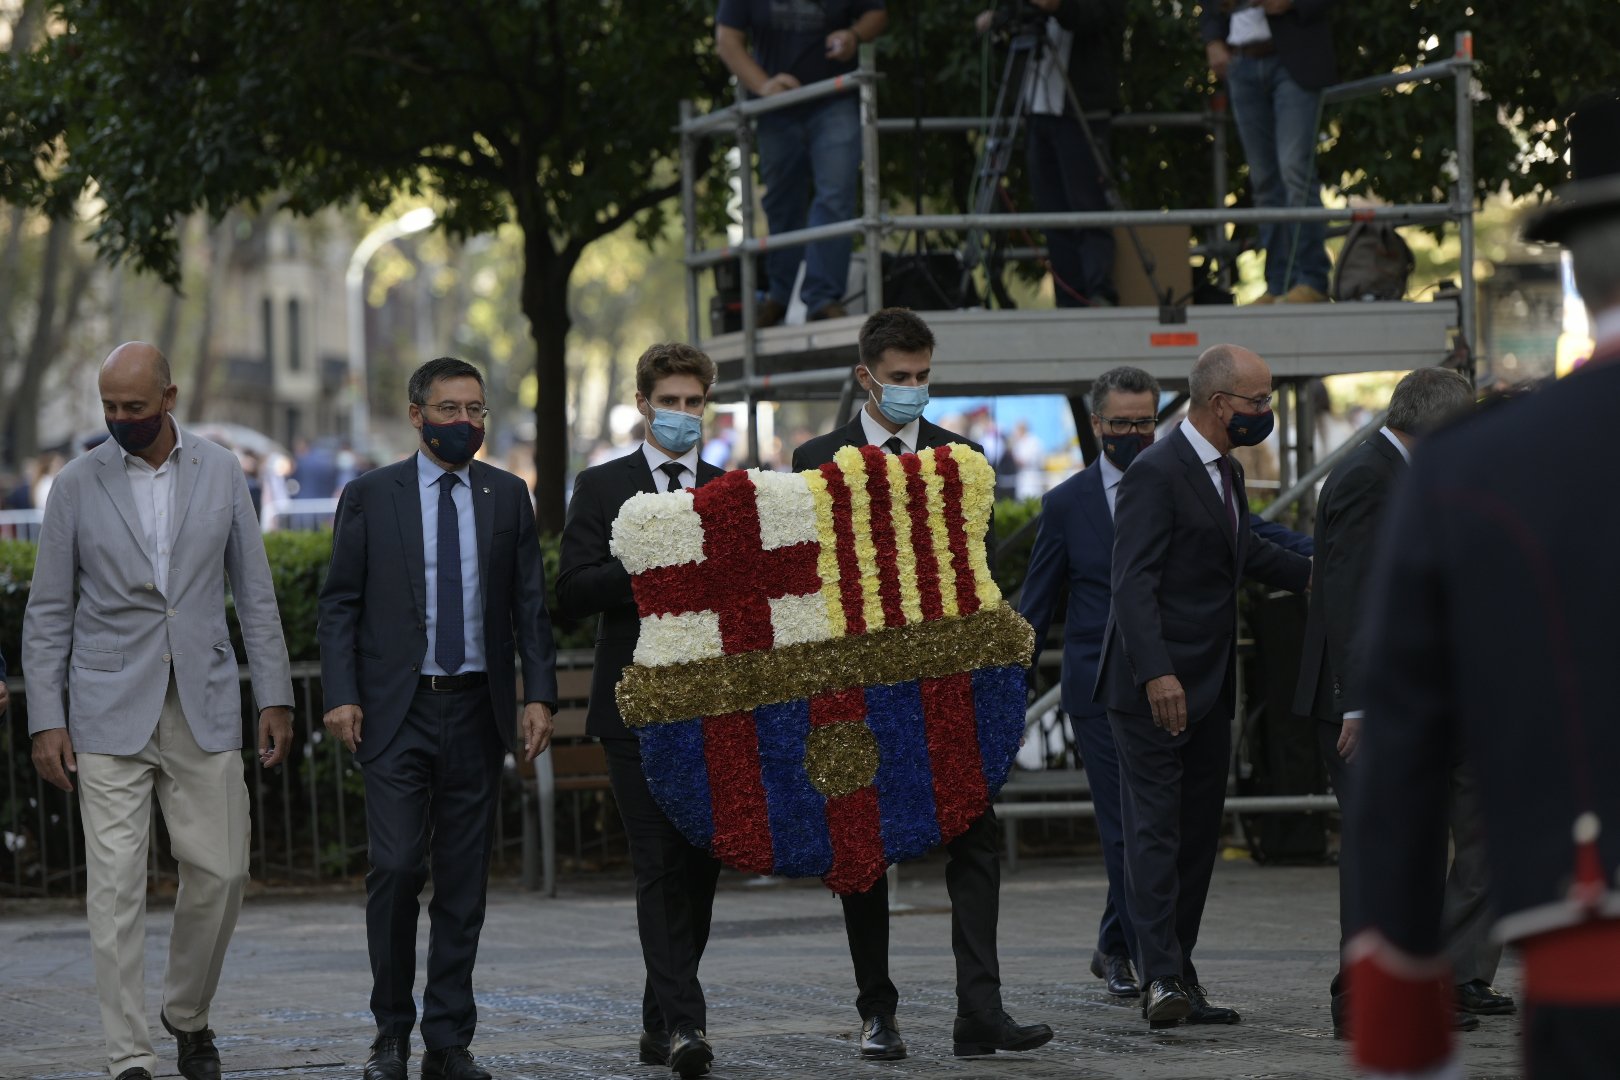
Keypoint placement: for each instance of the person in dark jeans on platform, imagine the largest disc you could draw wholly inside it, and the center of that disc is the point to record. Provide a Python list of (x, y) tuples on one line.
[(1084, 38), (796, 43)]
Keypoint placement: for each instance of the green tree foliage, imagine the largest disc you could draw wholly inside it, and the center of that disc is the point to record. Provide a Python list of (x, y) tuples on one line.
[(555, 114)]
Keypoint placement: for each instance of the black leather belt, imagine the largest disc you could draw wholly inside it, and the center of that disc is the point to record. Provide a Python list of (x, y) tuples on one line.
[(447, 684), (1255, 48)]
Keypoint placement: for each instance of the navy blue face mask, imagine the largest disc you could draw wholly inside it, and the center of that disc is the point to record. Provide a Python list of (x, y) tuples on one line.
[(454, 443), (136, 435), (1250, 429), (1122, 449)]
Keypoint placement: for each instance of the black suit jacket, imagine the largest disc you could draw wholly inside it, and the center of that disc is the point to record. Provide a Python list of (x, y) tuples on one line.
[(1303, 35), (1348, 516), (1177, 563), (590, 581), (373, 621), (1491, 625), (1098, 27)]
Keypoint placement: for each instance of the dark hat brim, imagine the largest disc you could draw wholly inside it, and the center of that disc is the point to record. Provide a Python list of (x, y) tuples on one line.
[(1573, 205)]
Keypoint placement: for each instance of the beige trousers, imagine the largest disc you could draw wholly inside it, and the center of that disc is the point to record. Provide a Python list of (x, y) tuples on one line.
[(205, 806)]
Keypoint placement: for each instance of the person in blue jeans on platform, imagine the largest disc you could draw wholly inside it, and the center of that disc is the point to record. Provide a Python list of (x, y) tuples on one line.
[(1276, 57), (796, 43)]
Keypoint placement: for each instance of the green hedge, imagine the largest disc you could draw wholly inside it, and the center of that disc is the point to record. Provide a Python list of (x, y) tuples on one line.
[(298, 567)]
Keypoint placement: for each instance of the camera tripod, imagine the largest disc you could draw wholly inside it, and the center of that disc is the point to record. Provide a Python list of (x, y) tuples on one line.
[(1027, 41)]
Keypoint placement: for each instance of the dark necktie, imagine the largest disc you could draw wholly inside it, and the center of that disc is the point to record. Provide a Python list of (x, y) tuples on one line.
[(673, 470), (895, 446), (1228, 487), (450, 633)]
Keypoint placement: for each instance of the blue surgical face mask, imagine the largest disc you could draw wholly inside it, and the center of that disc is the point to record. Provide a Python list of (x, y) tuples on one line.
[(1250, 429), (676, 431), (902, 404)]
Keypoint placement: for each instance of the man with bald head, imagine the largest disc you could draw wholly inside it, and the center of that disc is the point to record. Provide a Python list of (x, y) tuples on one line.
[(1182, 543), (133, 690)]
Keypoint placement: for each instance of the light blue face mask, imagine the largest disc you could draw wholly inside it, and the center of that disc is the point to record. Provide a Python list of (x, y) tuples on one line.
[(902, 404), (676, 431)]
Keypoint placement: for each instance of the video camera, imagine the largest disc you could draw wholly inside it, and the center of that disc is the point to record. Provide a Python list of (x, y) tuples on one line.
[(1016, 17)]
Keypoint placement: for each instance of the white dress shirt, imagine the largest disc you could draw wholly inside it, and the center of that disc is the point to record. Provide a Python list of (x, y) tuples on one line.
[(1406, 455), (1210, 456), (1043, 85), (1248, 27), (153, 490), (472, 602), (1111, 476), (657, 459), (877, 434)]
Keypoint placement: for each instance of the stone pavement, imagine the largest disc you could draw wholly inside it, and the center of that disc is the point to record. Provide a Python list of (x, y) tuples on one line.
[(559, 984)]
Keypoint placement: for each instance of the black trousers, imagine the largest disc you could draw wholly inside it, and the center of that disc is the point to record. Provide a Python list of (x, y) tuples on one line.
[(973, 880), (674, 897), (1063, 175), (1175, 788), (1571, 1042), (431, 800), (1338, 770)]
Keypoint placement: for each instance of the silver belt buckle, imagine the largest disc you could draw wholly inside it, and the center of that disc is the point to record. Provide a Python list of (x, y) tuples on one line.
[(434, 685)]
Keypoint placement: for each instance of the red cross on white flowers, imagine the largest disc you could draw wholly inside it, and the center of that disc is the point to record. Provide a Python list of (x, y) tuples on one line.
[(738, 577)]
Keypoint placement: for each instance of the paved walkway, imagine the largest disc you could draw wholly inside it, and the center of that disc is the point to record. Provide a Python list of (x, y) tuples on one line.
[(559, 985)]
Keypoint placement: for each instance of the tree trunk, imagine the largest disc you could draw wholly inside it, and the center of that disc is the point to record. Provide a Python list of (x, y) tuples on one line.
[(220, 245), (545, 304), (23, 414)]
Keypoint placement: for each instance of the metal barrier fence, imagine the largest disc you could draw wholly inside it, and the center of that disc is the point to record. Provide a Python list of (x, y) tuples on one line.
[(308, 815), (303, 515), (21, 524)]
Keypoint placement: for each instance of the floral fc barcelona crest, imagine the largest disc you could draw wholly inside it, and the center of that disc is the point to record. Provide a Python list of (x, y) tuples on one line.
[(827, 679)]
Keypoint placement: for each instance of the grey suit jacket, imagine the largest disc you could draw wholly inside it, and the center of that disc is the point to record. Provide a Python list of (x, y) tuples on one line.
[(100, 666)]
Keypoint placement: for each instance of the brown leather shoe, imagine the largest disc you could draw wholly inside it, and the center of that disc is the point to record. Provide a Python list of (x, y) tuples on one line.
[(834, 310), (769, 313)]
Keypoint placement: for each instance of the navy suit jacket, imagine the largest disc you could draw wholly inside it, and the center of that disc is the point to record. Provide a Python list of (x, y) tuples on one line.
[(373, 624), (1074, 550), (1177, 563), (591, 581)]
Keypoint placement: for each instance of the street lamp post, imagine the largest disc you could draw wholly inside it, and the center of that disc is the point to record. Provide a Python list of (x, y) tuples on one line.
[(354, 280)]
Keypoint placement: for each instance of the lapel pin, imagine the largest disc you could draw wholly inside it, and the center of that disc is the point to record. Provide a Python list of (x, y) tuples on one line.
[(486, 491), (194, 461)]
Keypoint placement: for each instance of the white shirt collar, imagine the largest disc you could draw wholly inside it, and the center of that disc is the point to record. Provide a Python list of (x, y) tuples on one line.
[(179, 441), (1406, 455), (877, 434), (428, 471), (657, 459), (1111, 473), (1606, 330), (1201, 446)]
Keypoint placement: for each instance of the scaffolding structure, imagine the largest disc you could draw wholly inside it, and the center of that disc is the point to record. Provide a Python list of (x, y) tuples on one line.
[(1010, 351)]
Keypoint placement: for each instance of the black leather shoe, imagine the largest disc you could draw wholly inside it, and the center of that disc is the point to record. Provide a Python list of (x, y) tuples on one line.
[(1165, 1002), (654, 1048), (388, 1057), (1205, 1013), (1117, 973), (689, 1052), (135, 1073), (451, 1063), (880, 1039), (198, 1058), (1464, 1022), (1482, 999), (985, 1033)]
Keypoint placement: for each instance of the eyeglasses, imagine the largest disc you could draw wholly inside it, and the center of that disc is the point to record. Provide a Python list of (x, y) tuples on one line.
[(1261, 402), (448, 412), (1119, 425)]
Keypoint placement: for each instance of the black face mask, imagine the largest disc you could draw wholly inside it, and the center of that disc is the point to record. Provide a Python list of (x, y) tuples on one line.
[(1122, 449), (454, 443), (1250, 429), (136, 435)]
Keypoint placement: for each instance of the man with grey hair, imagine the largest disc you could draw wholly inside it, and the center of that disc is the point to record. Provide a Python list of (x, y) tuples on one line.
[(1073, 556), (1332, 681), (1168, 670), (126, 621)]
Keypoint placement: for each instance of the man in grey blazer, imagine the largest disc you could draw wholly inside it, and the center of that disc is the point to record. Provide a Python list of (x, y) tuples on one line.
[(133, 688)]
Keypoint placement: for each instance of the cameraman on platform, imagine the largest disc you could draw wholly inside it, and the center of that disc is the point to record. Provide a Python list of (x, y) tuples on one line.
[(1084, 40)]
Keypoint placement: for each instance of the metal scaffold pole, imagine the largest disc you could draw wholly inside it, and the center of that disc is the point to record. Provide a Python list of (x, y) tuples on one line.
[(689, 221), (871, 191), (745, 174), (1463, 200)]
